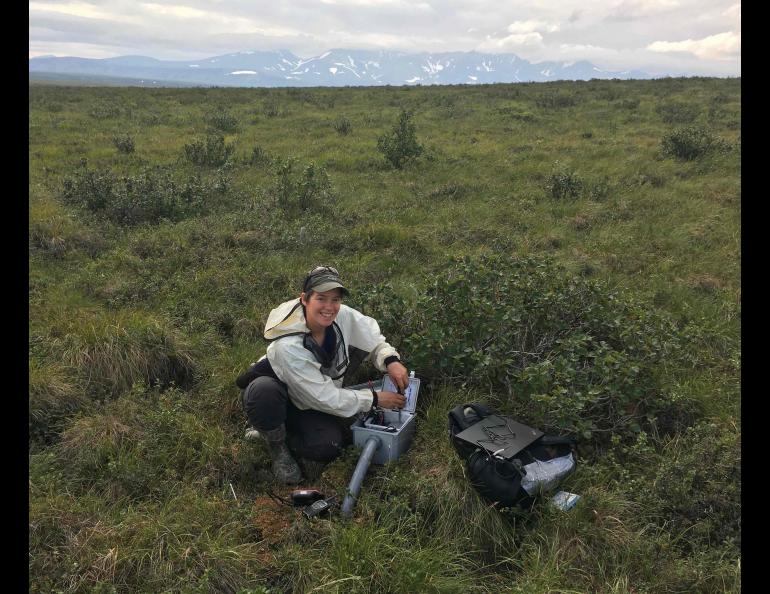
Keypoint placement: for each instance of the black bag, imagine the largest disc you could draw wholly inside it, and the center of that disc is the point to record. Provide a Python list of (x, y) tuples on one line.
[(513, 481)]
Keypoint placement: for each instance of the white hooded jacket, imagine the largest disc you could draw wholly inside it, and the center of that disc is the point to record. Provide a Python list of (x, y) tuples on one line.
[(298, 368)]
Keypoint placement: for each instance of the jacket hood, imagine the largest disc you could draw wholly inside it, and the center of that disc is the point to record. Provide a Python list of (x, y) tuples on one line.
[(287, 318)]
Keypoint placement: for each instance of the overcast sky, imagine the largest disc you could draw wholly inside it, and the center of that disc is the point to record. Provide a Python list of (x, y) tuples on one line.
[(691, 37)]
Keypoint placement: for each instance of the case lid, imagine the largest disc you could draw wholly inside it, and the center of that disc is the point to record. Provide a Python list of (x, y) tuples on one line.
[(411, 391), (500, 435)]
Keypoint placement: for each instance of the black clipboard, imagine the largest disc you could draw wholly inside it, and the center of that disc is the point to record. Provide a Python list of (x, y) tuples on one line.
[(500, 435)]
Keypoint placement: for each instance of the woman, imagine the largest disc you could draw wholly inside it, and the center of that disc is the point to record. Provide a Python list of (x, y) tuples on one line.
[(294, 395)]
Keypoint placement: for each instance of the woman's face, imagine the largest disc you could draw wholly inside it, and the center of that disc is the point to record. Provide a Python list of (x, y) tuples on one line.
[(321, 309)]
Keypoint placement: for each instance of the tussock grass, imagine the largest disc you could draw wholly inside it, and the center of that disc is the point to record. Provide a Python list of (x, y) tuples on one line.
[(112, 351), (149, 547), (54, 396)]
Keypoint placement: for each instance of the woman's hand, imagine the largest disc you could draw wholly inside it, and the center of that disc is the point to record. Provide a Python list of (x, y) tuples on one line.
[(390, 400), (399, 375)]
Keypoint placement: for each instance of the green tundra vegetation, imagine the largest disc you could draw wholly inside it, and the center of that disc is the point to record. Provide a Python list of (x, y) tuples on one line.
[(568, 253)]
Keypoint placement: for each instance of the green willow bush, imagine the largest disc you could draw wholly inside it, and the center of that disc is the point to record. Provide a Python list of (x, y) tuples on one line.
[(400, 146), (302, 192), (223, 121), (125, 144), (690, 143), (568, 353), (150, 196), (212, 151), (697, 489), (564, 183)]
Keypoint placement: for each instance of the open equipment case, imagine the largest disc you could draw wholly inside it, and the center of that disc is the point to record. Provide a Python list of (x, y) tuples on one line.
[(395, 428)]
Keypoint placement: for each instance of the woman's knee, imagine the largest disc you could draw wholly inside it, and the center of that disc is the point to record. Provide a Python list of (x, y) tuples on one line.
[(317, 437), (265, 400)]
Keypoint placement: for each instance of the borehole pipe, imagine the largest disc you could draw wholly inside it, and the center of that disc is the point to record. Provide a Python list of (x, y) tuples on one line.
[(359, 473)]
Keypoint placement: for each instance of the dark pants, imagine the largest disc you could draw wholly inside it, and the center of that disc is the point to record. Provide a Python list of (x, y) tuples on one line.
[(311, 434)]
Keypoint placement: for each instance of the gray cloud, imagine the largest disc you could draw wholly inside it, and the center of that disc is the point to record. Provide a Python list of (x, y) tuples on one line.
[(689, 36)]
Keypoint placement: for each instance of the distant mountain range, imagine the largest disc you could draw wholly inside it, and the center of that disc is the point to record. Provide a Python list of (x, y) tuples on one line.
[(334, 68)]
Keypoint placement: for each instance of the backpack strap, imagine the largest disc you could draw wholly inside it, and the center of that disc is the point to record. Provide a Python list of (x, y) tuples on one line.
[(457, 414), (551, 440)]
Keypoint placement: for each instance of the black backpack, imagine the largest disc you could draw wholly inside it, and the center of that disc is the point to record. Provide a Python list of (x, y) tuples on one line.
[(499, 479)]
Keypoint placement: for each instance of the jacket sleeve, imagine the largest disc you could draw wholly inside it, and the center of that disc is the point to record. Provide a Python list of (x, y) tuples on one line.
[(308, 387), (364, 333)]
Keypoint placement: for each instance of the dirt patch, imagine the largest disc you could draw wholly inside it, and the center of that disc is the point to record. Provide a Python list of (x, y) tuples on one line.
[(272, 519)]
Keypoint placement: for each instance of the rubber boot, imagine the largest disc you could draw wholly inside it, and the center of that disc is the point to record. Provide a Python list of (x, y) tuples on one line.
[(285, 467), (312, 469)]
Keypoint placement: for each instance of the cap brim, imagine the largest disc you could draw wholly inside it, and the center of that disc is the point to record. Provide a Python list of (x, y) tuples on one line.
[(328, 286)]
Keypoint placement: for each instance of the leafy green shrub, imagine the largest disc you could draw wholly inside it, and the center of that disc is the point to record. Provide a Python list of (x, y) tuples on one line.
[(343, 126), (223, 121), (630, 104), (124, 143), (271, 110), (566, 353), (212, 151), (147, 197), (556, 100), (697, 488), (103, 110), (400, 146), (308, 190), (677, 112), (259, 157), (516, 113), (600, 189), (690, 143), (564, 183)]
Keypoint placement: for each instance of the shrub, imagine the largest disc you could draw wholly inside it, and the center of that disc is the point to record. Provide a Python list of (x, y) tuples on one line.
[(103, 110), (124, 144), (147, 197), (213, 151), (223, 121), (343, 126), (630, 104), (259, 156), (400, 146), (563, 183), (555, 100), (516, 114), (697, 488), (690, 143), (678, 113), (565, 353), (600, 189), (309, 190), (271, 110)]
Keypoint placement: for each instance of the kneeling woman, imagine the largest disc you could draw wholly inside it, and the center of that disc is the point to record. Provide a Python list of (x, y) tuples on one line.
[(294, 396)]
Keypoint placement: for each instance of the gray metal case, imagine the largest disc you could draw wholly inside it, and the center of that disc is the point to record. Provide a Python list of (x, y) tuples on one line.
[(393, 443)]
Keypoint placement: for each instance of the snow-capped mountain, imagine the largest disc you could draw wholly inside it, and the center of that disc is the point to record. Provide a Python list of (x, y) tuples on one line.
[(336, 67)]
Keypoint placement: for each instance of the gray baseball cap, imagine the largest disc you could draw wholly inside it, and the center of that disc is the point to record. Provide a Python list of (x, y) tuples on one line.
[(322, 279)]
